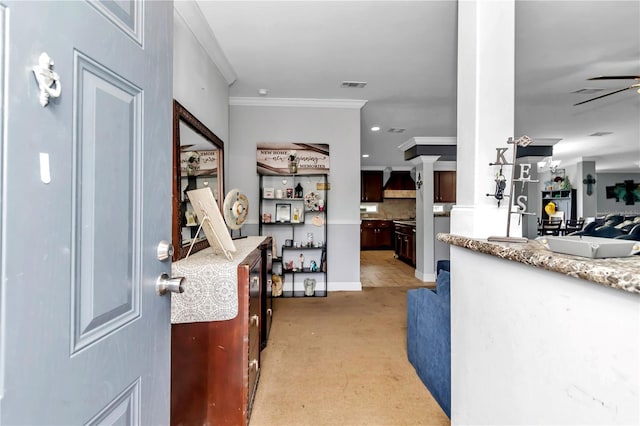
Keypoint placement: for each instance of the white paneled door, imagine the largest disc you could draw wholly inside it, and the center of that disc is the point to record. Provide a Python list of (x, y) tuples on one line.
[(86, 196)]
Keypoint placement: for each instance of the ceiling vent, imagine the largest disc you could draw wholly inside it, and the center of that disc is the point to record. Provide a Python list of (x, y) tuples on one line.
[(588, 91), (396, 130), (600, 133), (353, 84)]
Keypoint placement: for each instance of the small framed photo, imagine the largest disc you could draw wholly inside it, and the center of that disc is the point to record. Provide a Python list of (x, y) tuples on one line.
[(268, 192), (283, 212)]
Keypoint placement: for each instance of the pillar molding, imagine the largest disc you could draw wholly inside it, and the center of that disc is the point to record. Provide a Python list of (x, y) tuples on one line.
[(425, 236), (486, 92)]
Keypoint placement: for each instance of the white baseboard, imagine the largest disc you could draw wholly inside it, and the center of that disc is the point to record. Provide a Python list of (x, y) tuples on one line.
[(426, 277), (345, 286)]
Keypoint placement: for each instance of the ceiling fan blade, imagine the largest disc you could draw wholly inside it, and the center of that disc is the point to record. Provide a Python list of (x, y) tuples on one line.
[(616, 77), (607, 94)]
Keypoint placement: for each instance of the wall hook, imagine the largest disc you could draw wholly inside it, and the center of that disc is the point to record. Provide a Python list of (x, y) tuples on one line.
[(48, 80)]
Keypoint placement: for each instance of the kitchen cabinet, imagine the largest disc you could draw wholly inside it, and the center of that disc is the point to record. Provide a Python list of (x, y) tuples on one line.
[(371, 186), (376, 234), (444, 187), (405, 242)]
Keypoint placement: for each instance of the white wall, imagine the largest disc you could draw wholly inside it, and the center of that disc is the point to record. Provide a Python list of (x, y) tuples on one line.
[(338, 127), (530, 346), (609, 205), (198, 84)]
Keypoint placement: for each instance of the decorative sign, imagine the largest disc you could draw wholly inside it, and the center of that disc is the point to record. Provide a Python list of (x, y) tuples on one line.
[(291, 158), (501, 185), (199, 163)]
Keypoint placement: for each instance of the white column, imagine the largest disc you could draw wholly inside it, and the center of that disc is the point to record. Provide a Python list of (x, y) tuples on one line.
[(586, 204), (425, 236), (486, 31)]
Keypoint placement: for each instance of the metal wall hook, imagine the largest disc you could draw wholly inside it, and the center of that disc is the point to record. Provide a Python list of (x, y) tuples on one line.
[(48, 80)]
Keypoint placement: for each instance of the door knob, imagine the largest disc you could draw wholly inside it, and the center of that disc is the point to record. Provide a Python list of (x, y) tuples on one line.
[(164, 250), (165, 284)]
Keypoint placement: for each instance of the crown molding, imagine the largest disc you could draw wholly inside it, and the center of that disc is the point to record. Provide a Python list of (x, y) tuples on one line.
[(430, 140), (193, 17), (297, 102)]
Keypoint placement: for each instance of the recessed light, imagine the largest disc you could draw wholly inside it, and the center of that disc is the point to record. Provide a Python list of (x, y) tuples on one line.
[(396, 130), (600, 133), (263, 92), (365, 155), (375, 128)]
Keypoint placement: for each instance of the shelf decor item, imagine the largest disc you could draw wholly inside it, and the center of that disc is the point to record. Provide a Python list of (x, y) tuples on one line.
[(293, 163), (309, 286), (312, 201), (283, 213)]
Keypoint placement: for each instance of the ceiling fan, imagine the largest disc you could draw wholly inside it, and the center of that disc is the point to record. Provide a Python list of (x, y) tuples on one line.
[(614, 77)]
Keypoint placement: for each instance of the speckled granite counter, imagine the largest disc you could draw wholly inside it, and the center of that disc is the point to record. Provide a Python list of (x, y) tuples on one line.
[(622, 273), (405, 222)]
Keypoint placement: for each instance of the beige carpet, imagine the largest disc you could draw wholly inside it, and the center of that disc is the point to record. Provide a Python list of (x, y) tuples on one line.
[(342, 360)]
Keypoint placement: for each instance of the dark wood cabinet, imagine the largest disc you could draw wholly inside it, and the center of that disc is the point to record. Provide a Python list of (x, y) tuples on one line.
[(266, 301), (405, 243), (376, 234), (444, 186), (371, 186), (215, 365)]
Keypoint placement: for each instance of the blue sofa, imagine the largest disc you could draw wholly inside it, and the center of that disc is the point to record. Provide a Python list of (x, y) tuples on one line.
[(429, 336)]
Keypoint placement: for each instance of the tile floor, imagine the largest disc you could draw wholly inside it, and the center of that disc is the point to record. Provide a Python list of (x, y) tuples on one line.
[(378, 268)]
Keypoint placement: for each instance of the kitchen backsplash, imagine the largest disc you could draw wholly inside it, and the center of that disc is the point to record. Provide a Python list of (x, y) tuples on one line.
[(399, 208)]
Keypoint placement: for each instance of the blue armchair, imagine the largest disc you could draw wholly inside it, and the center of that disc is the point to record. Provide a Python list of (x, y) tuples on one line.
[(429, 337)]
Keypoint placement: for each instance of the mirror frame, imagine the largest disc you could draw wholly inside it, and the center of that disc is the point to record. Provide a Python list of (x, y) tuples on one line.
[(181, 114)]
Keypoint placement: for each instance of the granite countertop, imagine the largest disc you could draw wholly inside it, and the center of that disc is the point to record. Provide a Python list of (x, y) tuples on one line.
[(406, 222), (622, 272)]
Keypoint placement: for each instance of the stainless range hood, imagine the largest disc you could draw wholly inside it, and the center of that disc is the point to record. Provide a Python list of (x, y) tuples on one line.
[(400, 185)]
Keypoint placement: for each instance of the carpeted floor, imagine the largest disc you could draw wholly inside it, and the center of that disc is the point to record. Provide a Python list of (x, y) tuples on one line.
[(341, 360)]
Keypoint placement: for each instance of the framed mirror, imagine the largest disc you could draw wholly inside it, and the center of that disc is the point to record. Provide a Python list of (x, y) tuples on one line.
[(198, 158)]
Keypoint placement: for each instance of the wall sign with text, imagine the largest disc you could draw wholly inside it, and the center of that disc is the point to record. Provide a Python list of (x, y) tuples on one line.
[(292, 158), (199, 163)]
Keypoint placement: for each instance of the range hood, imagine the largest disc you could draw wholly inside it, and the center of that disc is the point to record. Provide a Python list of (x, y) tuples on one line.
[(400, 185)]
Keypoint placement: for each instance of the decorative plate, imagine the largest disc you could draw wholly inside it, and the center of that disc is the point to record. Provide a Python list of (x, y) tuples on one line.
[(311, 201)]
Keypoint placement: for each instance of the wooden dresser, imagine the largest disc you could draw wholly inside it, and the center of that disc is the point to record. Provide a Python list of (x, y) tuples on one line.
[(215, 350)]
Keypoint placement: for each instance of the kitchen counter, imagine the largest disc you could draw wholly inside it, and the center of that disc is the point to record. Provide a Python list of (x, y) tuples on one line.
[(405, 222), (622, 273)]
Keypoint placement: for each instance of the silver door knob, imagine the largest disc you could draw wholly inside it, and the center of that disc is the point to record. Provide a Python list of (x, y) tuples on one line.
[(165, 284), (164, 250)]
